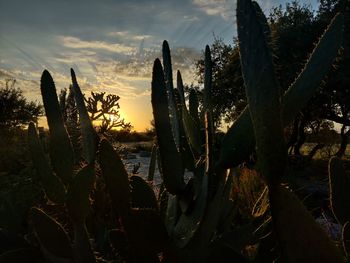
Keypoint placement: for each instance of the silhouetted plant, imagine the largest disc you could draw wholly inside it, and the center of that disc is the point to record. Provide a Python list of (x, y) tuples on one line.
[(106, 109)]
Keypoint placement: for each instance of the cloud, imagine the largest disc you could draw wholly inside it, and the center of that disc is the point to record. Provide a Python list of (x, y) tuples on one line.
[(76, 43), (128, 36), (223, 8)]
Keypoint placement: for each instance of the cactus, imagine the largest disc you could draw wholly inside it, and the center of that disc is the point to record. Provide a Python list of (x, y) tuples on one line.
[(54, 188), (90, 138), (234, 151), (170, 158), (339, 183), (61, 184), (152, 163), (191, 221), (61, 150), (264, 105)]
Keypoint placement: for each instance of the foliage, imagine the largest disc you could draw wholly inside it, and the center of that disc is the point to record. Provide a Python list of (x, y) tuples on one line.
[(294, 30), (192, 220), (228, 97), (15, 110), (106, 110)]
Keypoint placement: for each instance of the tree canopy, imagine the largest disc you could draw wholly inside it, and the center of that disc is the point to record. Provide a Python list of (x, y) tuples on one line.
[(15, 110)]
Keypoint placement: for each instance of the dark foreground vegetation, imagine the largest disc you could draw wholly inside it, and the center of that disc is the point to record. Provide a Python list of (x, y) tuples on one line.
[(243, 196)]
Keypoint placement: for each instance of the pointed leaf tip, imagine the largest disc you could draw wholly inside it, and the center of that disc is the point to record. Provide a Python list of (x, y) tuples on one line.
[(46, 76), (165, 44)]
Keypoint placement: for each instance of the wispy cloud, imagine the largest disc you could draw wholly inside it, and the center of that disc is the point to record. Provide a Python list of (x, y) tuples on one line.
[(128, 36), (217, 7), (76, 43)]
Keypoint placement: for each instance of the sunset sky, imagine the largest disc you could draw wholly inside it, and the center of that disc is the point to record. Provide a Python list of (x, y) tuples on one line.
[(111, 44)]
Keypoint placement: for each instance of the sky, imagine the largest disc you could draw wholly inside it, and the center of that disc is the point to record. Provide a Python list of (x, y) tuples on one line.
[(111, 44)]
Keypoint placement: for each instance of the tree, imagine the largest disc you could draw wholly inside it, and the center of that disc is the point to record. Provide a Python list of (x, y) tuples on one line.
[(294, 31), (228, 94), (15, 110), (337, 86), (106, 110)]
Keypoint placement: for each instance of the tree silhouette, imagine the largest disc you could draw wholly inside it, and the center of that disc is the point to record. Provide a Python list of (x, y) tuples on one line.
[(15, 110), (106, 109)]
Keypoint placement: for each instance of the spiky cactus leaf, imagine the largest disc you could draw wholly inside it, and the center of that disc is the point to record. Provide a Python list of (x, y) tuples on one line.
[(78, 201), (172, 212), (262, 91), (193, 105), (234, 150), (301, 239), (52, 237), (191, 129), (208, 120), (53, 186), (192, 132), (214, 209), (180, 88), (188, 224), (61, 150), (82, 247), (116, 177), (184, 149), (339, 185), (207, 79), (172, 167), (142, 195), (152, 163), (168, 77), (317, 66), (90, 138)]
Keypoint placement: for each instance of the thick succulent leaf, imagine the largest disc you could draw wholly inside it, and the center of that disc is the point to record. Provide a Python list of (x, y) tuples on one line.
[(90, 138), (142, 195), (82, 247), (207, 109), (188, 224), (192, 131), (61, 150), (262, 90), (78, 201), (53, 186), (339, 186), (172, 167), (168, 74), (213, 212), (317, 66), (193, 105), (300, 237), (116, 177), (207, 79), (152, 163), (51, 235), (190, 125), (171, 213), (239, 140), (180, 88)]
